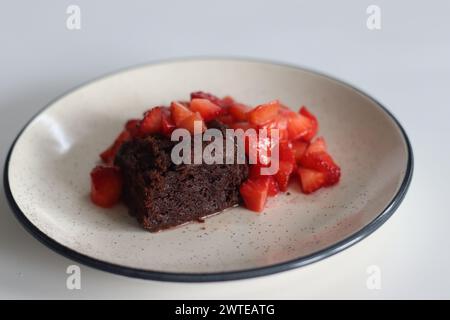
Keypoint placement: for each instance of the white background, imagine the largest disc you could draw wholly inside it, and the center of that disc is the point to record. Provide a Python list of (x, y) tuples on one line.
[(405, 65)]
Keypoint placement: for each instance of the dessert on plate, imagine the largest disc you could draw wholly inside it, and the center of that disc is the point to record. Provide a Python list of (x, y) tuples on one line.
[(139, 168), (161, 194)]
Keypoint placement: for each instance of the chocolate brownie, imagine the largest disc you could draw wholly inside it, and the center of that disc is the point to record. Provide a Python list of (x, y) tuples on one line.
[(161, 194)]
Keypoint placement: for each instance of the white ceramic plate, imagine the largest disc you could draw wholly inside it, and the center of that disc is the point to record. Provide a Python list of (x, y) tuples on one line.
[(47, 175)]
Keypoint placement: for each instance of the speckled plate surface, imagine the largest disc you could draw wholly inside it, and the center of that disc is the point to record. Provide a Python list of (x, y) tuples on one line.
[(47, 175)]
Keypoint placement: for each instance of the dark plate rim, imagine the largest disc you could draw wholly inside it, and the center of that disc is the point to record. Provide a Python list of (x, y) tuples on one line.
[(219, 276)]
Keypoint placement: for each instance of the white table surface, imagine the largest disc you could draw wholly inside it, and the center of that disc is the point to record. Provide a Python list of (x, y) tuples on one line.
[(405, 65)]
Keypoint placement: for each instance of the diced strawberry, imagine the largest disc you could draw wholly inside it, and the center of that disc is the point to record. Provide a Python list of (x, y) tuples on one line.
[(225, 119), (286, 152), (269, 142), (273, 187), (241, 125), (323, 162), (249, 136), (300, 127), (255, 192), (259, 148), (179, 112), (239, 111), (283, 174), (223, 112), (151, 122), (264, 113), (207, 96), (281, 124), (223, 103), (310, 180), (207, 109), (167, 124), (132, 126), (299, 148), (285, 111), (109, 154), (187, 104), (226, 102), (189, 123), (318, 145), (314, 123), (317, 158), (106, 186), (255, 173)]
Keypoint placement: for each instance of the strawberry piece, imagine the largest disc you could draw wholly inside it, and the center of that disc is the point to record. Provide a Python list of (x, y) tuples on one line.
[(273, 187), (207, 96), (226, 102), (189, 123), (106, 186), (264, 113), (226, 119), (132, 126), (259, 149), (109, 154), (314, 123), (287, 152), (255, 192), (284, 172), (310, 180), (323, 162), (151, 122), (285, 111), (179, 112), (264, 146), (281, 124), (241, 125), (300, 127), (318, 145), (222, 103), (317, 158), (299, 147), (239, 111), (248, 138), (184, 103), (207, 109), (167, 124), (255, 173)]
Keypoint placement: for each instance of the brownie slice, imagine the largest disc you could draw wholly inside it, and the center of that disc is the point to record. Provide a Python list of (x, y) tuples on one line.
[(161, 194)]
